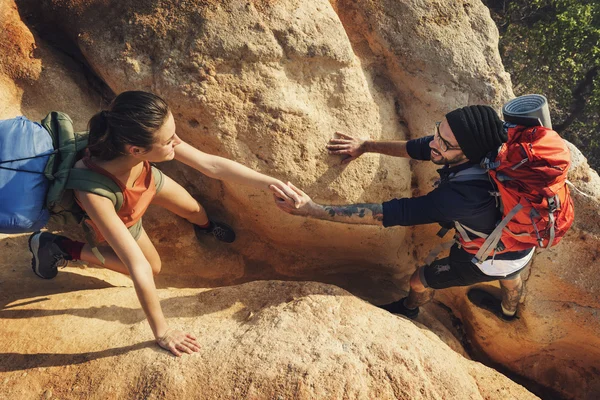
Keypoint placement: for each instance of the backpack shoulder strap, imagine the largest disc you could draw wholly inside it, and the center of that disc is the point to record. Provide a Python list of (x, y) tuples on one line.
[(68, 143), (474, 173), (93, 182)]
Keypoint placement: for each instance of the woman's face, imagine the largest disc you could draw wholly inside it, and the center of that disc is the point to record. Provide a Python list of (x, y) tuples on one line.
[(165, 140)]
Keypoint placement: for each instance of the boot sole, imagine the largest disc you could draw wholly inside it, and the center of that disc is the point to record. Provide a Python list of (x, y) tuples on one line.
[(34, 246)]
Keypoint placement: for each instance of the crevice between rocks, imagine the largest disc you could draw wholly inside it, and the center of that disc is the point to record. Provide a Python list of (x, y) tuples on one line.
[(479, 355), (60, 41)]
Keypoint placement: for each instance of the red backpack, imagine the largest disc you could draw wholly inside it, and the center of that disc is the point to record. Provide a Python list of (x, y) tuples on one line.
[(530, 172)]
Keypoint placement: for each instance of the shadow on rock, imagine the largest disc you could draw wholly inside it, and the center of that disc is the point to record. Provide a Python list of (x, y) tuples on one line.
[(17, 362)]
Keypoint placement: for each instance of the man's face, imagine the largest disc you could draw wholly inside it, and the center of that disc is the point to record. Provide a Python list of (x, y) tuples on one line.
[(444, 148)]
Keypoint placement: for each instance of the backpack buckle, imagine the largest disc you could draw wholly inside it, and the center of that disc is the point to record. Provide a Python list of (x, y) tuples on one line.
[(500, 246), (553, 203)]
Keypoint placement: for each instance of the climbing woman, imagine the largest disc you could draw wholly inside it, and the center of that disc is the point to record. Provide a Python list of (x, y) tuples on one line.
[(138, 129)]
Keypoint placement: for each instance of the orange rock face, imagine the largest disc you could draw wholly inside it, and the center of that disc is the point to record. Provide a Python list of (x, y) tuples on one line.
[(267, 84)]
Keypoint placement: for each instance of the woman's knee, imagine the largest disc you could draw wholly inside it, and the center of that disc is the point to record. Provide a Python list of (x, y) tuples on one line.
[(192, 209), (156, 267)]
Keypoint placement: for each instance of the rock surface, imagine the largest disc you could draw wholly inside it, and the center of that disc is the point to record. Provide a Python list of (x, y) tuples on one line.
[(267, 84), (260, 340)]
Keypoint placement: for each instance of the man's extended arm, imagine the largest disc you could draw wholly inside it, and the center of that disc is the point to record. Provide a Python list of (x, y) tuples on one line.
[(365, 214), (396, 148), (353, 147)]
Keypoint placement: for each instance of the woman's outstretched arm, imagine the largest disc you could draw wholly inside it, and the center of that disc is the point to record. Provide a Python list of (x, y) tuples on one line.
[(227, 170)]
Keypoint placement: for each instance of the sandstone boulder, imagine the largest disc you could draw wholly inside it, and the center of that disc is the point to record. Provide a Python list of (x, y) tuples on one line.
[(80, 337), (267, 84)]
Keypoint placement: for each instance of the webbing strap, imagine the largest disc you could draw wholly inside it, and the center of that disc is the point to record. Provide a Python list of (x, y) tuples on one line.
[(568, 182), (437, 250), (492, 240), (551, 220), (461, 231), (470, 174), (460, 227), (90, 238)]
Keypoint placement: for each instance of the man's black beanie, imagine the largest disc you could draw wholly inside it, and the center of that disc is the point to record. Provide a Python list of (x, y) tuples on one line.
[(478, 130)]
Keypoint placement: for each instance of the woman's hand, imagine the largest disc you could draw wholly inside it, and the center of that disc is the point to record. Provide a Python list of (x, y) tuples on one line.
[(178, 342), (302, 205), (285, 193), (346, 145)]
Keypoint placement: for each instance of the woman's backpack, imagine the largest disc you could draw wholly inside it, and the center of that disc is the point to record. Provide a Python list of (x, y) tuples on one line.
[(37, 177)]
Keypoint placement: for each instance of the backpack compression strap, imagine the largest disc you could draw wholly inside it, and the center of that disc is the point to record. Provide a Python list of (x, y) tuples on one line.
[(491, 242), (93, 182)]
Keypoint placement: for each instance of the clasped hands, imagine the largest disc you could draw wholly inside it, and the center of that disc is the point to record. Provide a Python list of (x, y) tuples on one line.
[(293, 200)]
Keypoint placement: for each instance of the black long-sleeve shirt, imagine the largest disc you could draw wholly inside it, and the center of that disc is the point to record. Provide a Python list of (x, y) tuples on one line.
[(468, 202)]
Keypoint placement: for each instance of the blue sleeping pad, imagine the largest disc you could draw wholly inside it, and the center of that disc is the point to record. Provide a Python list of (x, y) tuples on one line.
[(25, 148)]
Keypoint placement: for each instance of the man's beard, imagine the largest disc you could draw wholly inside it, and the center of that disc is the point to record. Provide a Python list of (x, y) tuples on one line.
[(441, 160)]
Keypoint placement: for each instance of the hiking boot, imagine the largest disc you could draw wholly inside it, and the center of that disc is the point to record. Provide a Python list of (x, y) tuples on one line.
[(47, 254), (487, 301), (398, 307), (219, 230)]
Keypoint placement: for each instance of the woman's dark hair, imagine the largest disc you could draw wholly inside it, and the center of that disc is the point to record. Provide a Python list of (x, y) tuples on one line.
[(131, 119)]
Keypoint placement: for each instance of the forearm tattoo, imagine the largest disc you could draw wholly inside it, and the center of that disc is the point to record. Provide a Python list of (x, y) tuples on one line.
[(364, 213)]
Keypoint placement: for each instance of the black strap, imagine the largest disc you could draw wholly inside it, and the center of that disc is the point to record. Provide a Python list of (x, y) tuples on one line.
[(442, 232), (29, 158), (26, 158), (22, 170)]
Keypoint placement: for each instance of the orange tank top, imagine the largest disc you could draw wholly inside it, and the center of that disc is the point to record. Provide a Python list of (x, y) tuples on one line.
[(136, 199)]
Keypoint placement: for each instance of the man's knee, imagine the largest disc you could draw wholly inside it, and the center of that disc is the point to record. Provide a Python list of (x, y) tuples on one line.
[(512, 281), (416, 281)]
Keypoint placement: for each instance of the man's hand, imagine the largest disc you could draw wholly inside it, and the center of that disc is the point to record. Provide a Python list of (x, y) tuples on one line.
[(178, 342), (302, 205), (346, 145), (286, 194)]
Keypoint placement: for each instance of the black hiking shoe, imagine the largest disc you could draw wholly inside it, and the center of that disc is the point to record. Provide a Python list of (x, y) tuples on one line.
[(484, 299), (398, 307), (47, 255), (219, 230)]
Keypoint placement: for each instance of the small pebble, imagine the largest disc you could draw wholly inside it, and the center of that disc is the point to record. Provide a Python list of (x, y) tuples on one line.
[(48, 394)]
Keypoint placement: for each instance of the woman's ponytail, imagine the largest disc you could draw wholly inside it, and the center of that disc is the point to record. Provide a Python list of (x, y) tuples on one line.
[(132, 119), (99, 140)]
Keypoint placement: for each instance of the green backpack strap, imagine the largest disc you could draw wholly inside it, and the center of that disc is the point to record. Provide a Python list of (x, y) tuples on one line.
[(92, 182), (69, 144)]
